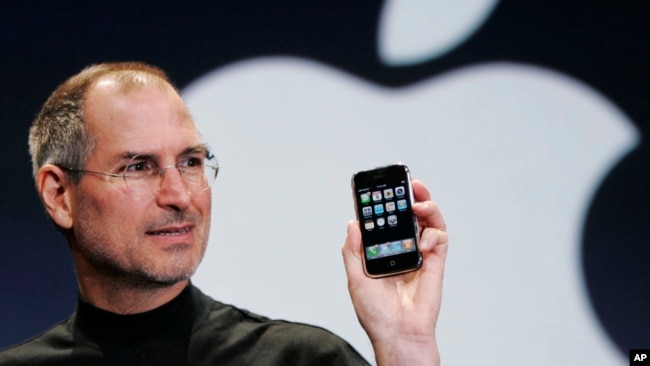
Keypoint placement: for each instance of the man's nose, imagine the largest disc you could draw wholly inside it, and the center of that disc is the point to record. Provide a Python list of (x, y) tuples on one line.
[(173, 190)]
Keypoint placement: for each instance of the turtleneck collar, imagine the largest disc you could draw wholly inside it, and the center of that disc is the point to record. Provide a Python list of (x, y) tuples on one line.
[(169, 322)]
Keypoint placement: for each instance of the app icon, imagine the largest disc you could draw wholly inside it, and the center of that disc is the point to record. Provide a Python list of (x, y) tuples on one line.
[(381, 221), (365, 198), (372, 251), (396, 246), (388, 193), (369, 224), (367, 211), (376, 196), (379, 209), (392, 220), (407, 244), (401, 205), (390, 206), (400, 190), (384, 248)]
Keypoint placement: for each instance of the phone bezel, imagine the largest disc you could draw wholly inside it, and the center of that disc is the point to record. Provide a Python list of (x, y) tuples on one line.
[(394, 264)]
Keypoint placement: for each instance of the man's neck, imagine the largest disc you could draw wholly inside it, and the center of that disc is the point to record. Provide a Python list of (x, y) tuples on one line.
[(121, 299)]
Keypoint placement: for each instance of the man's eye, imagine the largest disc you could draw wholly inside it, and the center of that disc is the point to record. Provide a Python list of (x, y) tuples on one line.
[(191, 162), (140, 166)]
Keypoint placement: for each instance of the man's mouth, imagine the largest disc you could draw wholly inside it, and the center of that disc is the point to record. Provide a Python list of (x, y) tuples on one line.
[(169, 232)]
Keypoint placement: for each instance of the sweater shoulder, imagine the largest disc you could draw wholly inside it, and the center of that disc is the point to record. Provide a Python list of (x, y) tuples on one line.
[(257, 338), (51, 347)]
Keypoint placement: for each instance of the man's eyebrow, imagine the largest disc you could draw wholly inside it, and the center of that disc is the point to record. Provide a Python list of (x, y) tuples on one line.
[(127, 155), (196, 148)]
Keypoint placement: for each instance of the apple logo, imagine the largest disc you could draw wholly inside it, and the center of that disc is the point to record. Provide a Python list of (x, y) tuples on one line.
[(416, 31), (513, 154)]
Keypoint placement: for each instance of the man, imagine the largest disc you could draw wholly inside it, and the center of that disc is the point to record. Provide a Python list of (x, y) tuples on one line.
[(123, 174)]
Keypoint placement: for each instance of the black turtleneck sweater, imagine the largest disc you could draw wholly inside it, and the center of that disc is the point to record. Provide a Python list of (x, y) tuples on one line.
[(192, 329)]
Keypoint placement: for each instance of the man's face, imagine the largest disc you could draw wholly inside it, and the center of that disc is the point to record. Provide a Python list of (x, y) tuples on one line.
[(145, 240)]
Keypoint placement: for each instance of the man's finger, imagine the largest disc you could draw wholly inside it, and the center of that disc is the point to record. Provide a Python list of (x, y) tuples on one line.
[(420, 191), (429, 215), (352, 251)]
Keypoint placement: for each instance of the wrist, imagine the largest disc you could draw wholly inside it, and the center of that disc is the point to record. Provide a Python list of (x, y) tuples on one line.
[(399, 351)]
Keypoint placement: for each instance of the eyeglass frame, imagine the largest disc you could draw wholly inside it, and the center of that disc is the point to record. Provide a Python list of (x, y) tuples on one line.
[(158, 171)]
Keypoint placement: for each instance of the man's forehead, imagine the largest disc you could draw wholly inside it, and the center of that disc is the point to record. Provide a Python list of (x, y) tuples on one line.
[(143, 118), (109, 93)]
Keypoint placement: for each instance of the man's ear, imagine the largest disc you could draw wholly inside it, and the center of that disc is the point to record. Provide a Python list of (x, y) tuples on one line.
[(54, 187)]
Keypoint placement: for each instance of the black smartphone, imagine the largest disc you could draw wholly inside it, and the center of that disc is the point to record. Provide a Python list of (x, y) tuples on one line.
[(383, 199)]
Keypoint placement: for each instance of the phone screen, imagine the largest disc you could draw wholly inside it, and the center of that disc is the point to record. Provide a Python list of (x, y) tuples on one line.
[(388, 227)]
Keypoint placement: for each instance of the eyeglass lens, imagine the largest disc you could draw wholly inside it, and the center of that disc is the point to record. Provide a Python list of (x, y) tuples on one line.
[(144, 177)]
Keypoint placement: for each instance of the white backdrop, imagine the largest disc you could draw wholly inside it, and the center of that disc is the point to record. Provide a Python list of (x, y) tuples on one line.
[(512, 154)]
